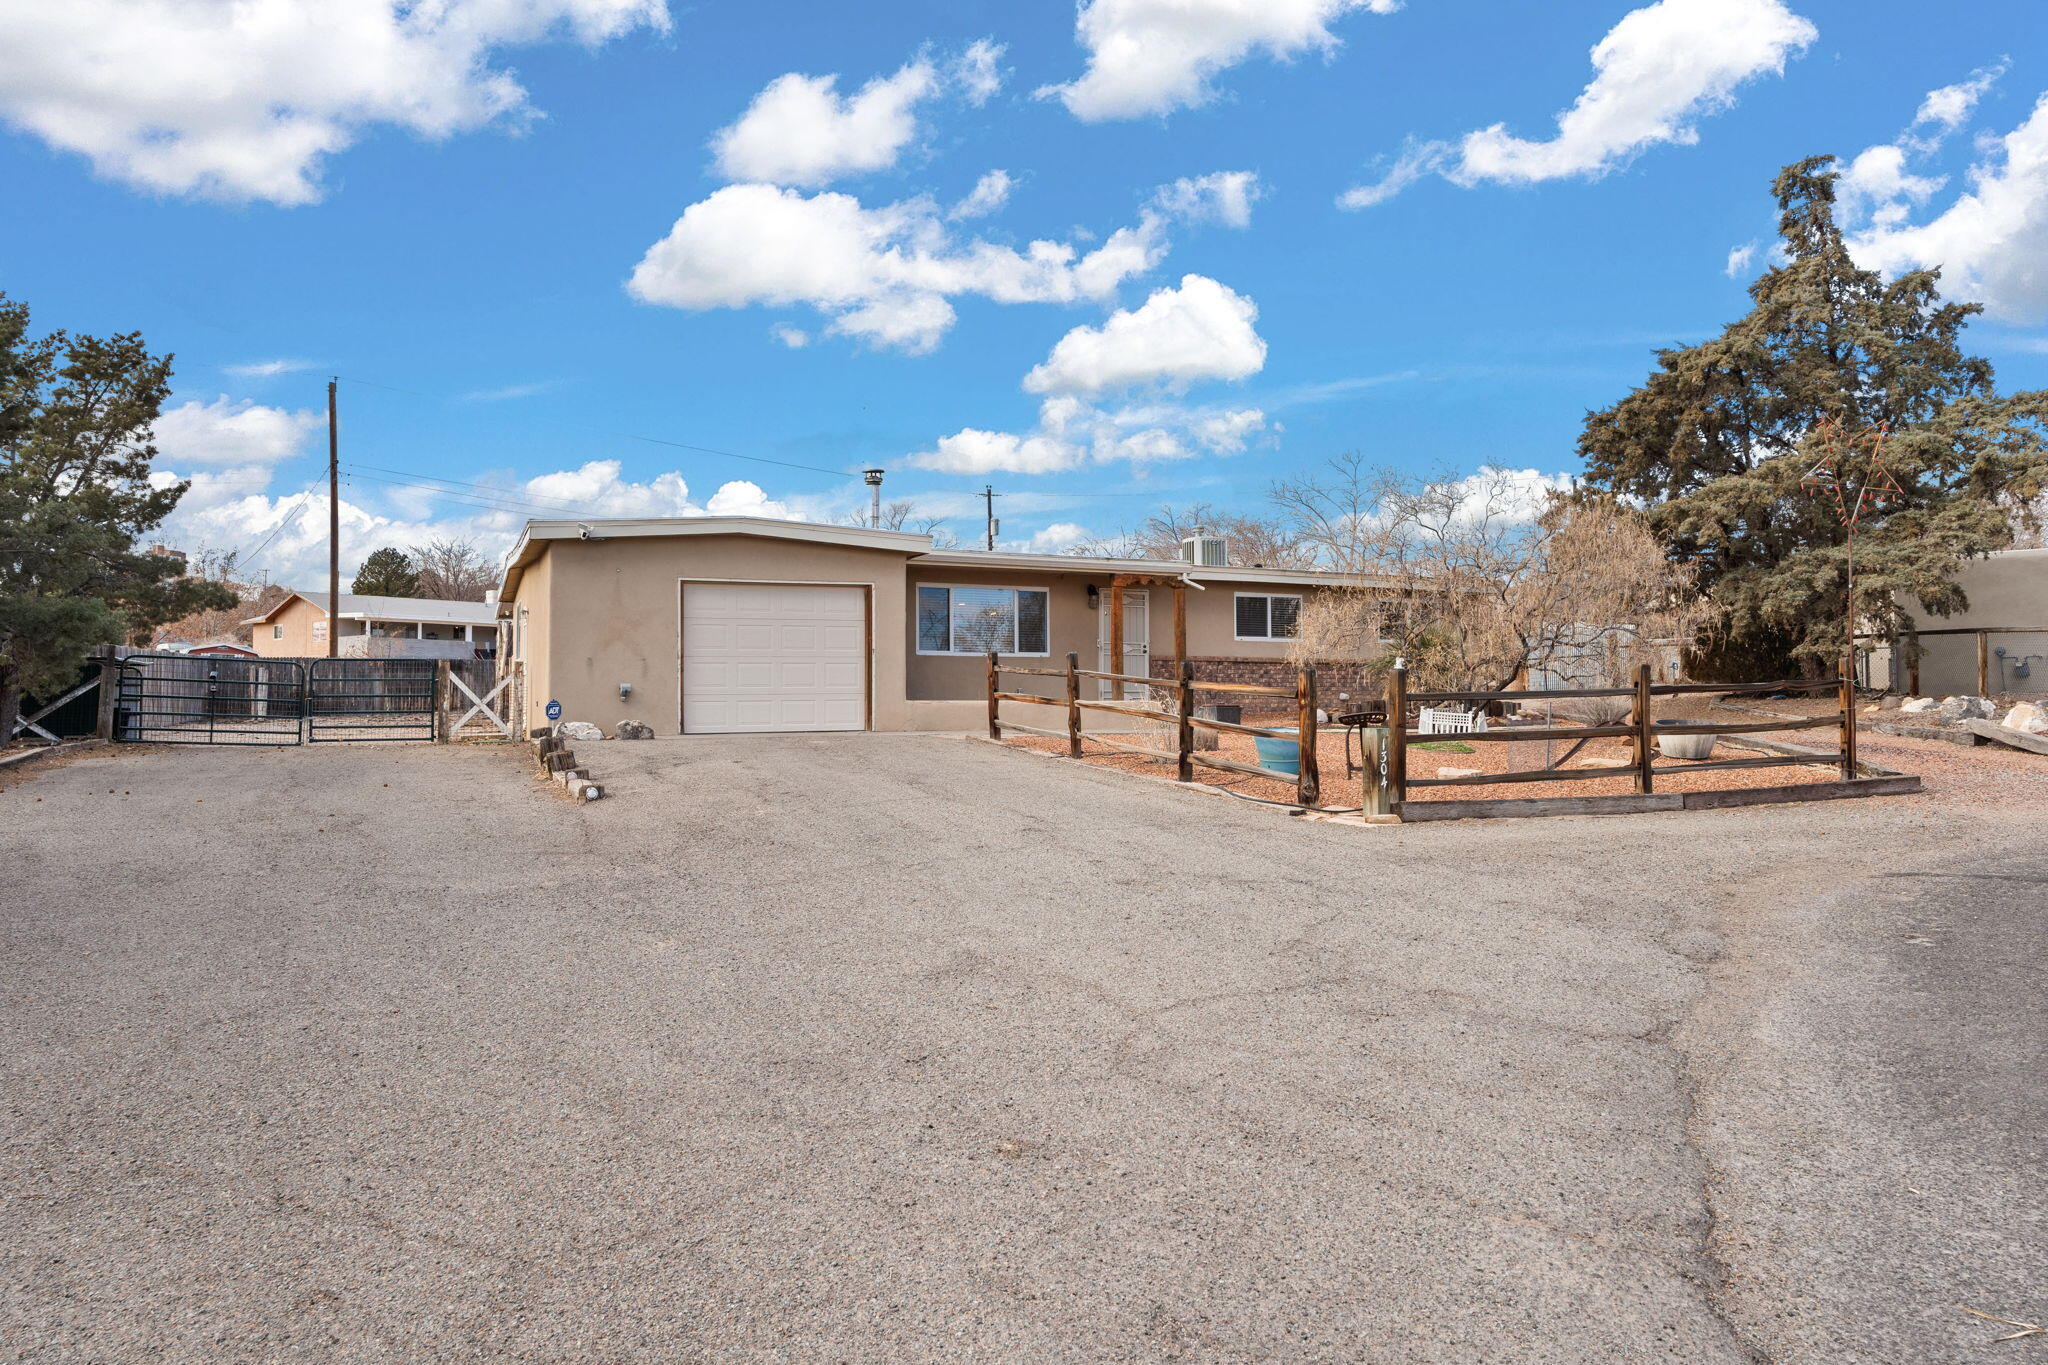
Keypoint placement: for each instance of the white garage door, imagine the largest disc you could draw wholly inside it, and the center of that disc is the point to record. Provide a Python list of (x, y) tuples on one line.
[(773, 656)]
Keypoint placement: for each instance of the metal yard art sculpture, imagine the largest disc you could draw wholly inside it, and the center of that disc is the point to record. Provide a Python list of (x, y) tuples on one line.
[(1856, 492)]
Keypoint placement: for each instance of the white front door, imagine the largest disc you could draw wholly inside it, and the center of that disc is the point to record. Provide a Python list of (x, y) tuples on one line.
[(773, 656), (1137, 660)]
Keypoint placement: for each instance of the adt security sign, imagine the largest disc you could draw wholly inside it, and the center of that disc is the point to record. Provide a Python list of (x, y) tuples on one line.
[(554, 709)]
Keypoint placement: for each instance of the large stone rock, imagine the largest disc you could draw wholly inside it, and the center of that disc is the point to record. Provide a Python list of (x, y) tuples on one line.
[(1956, 709), (1919, 704), (2028, 717), (633, 729), (578, 729)]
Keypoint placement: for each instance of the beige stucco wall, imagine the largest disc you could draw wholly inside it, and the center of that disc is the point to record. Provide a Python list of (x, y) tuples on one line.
[(534, 614), (1073, 626), (614, 615), (297, 617), (2006, 589)]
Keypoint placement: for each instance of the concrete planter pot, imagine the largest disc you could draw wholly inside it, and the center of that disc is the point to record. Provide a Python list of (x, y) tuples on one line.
[(1691, 747)]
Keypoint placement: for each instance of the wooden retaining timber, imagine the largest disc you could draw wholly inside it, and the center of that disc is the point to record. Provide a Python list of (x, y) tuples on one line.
[(1636, 804)]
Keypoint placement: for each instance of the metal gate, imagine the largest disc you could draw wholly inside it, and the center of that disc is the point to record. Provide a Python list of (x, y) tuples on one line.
[(187, 699), (369, 699)]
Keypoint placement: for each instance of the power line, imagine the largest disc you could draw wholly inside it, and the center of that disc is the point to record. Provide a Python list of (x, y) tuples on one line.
[(630, 435)]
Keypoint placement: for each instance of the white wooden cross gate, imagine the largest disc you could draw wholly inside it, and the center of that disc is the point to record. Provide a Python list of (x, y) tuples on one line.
[(482, 705)]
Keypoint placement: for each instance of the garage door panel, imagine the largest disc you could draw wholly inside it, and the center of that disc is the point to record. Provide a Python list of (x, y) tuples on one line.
[(765, 657)]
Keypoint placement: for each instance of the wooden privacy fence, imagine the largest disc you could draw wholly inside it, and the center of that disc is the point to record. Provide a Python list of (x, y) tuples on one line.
[(1186, 758), (1638, 729)]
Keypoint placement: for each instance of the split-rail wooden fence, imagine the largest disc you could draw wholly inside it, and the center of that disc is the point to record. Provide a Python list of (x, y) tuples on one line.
[(1184, 755)]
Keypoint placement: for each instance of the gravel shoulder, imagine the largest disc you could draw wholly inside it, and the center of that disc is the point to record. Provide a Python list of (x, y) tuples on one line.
[(910, 1048)]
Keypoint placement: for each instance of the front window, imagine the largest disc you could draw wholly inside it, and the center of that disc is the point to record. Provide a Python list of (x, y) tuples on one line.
[(981, 620), (1268, 616)]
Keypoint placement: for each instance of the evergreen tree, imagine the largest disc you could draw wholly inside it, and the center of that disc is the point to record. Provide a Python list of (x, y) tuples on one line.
[(1714, 445), (387, 573), (75, 494)]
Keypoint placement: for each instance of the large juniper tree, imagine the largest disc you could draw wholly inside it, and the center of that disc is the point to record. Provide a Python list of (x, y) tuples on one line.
[(75, 495), (1714, 445)]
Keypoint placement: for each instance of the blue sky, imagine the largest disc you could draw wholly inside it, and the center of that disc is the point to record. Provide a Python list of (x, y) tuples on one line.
[(479, 259)]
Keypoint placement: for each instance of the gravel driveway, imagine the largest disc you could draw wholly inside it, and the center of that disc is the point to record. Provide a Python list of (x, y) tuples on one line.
[(906, 1048)]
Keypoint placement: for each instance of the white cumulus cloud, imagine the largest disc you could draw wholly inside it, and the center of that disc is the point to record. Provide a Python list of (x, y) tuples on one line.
[(1072, 432), (284, 537), (242, 99), (1224, 197), (1655, 75), (802, 131), (1198, 330), (1990, 242), (989, 194), (881, 274), (226, 432), (1154, 56)]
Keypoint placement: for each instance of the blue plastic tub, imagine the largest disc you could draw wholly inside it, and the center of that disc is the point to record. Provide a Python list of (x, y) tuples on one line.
[(1281, 755)]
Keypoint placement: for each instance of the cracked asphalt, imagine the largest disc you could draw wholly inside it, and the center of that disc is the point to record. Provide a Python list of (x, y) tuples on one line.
[(903, 1048)]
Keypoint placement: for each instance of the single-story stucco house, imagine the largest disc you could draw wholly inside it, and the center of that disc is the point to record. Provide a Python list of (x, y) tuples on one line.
[(376, 627), (698, 625)]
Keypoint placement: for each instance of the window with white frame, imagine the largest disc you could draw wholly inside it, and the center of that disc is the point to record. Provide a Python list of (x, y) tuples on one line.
[(1268, 616), (319, 631), (974, 620)]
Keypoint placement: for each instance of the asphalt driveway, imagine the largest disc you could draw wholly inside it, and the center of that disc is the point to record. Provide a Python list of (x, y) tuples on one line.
[(907, 1048)]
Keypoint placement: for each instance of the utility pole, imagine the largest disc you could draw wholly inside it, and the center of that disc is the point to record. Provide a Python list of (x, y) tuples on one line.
[(333, 528), (988, 498), (874, 478)]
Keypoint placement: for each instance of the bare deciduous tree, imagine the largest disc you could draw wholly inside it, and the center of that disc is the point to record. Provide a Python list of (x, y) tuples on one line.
[(454, 571), (255, 596), (901, 514), (1473, 583)]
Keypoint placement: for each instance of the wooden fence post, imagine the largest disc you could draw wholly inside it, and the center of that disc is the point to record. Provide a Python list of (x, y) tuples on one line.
[(1983, 663), (1912, 662), (1184, 745), (110, 690), (1073, 705), (1848, 745), (995, 730), (1397, 738), (1645, 782), (1308, 778)]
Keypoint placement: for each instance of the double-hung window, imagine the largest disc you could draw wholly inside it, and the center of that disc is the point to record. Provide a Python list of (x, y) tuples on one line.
[(1268, 616), (981, 620)]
